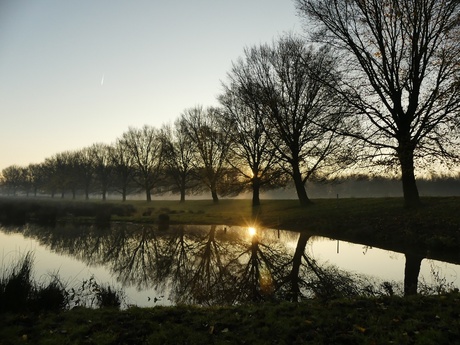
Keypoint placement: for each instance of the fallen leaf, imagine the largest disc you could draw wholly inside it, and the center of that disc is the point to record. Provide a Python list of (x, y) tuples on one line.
[(360, 329)]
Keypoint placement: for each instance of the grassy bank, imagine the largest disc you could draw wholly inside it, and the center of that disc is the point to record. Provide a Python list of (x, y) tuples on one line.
[(322, 214), (375, 221), (435, 225), (389, 320)]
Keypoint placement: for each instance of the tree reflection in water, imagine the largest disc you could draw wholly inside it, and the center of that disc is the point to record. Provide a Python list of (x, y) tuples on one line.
[(292, 283), (205, 265), (256, 267), (134, 258)]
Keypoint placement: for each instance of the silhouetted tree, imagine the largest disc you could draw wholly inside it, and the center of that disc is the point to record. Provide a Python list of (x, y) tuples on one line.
[(297, 106), (144, 145), (61, 172), (123, 167), (253, 153), (401, 65), (12, 178), (211, 142), (179, 156), (83, 168), (102, 166), (36, 177)]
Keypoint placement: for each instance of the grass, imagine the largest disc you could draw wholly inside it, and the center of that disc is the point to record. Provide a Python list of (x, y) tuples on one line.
[(389, 320)]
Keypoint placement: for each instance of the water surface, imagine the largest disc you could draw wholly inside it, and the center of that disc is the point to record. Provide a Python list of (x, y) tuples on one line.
[(205, 264)]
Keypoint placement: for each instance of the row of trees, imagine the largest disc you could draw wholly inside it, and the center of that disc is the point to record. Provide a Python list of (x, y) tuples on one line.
[(274, 122), (379, 87)]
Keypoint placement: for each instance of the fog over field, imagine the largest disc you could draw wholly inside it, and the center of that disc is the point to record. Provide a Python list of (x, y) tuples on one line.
[(351, 188)]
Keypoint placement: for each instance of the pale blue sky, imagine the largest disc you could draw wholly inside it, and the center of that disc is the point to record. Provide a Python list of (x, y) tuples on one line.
[(156, 58)]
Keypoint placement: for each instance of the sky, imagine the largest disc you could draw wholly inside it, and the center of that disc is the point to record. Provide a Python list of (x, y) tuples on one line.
[(75, 73)]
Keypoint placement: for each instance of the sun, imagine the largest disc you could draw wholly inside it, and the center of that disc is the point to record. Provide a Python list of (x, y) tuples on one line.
[(252, 231)]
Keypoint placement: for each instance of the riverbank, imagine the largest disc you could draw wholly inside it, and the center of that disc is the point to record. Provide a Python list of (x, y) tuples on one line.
[(382, 222), (386, 320)]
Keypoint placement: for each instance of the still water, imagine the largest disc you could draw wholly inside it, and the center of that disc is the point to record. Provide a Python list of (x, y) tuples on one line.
[(207, 264)]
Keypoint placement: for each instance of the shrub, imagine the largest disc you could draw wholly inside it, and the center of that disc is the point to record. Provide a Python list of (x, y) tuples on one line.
[(108, 298), (51, 297), (92, 294)]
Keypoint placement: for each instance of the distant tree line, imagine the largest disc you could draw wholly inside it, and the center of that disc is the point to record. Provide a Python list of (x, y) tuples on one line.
[(377, 86)]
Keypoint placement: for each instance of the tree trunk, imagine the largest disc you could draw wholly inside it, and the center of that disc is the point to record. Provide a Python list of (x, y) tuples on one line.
[(215, 198), (411, 272), (299, 186), (148, 195), (255, 192), (406, 160), (183, 187), (123, 193)]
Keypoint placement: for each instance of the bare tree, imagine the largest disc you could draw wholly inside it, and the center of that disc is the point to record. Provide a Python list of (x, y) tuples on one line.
[(73, 171), (297, 105), (12, 179), (36, 177), (401, 61), (123, 167), (81, 171), (61, 175), (253, 153), (102, 166), (179, 158), (211, 142), (144, 145)]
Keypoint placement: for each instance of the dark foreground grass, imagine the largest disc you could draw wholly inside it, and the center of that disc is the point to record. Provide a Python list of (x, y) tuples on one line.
[(389, 320)]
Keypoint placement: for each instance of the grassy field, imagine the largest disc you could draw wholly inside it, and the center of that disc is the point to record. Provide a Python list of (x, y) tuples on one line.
[(388, 320), (385, 320)]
